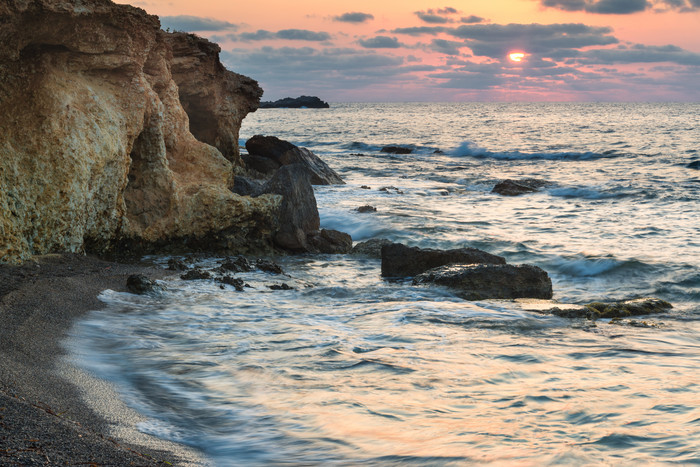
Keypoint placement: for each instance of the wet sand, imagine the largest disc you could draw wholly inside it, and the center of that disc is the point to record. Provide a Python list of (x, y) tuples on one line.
[(52, 413)]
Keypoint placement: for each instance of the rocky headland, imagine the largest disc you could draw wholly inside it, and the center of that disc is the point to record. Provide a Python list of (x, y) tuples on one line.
[(118, 136), (301, 102)]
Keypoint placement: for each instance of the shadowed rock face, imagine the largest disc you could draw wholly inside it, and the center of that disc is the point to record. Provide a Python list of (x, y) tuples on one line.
[(96, 145)]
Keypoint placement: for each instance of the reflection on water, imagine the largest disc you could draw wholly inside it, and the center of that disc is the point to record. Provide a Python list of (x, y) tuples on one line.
[(390, 373), (348, 368)]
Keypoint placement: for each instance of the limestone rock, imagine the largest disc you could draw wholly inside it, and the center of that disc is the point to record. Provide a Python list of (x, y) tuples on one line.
[(96, 149), (399, 260), (490, 281), (283, 152)]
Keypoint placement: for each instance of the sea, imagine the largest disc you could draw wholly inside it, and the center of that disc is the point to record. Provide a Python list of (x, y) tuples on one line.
[(347, 368)]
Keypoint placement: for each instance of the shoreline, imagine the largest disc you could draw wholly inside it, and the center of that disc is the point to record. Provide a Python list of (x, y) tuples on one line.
[(52, 412)]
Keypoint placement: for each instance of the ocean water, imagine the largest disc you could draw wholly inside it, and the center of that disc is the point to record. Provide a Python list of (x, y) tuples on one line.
[(347, 368)]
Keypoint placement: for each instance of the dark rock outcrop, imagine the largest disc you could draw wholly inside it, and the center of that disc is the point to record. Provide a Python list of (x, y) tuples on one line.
[(330, 242), (246, 187), (366, 208), (279, 153), (510, 187), (396, 150), (140, 284), (371, 248), (311, 102), (490, 281), (196, 274), (399, 260), (298, 215), (694, 165), (266, 265)]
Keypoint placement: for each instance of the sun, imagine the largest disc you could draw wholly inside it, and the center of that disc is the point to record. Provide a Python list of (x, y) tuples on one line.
[(516, 56)]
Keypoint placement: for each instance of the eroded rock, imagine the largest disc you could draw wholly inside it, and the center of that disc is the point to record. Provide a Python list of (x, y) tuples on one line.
[(330, 242), (399, 260), (140, 284), (120, 135), (490, 281), (371, 248)]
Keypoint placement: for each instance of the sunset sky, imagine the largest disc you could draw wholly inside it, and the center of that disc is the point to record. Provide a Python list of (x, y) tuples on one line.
[(415, 50)]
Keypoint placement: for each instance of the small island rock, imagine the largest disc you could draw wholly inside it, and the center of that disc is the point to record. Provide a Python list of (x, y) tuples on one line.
[(310, 102)]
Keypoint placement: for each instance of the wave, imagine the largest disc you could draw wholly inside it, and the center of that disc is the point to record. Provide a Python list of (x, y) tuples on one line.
[(470, 149), (593, 266), (587, 193)]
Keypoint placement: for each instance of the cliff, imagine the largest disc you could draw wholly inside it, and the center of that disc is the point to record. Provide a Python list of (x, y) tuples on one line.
[(116, 134)]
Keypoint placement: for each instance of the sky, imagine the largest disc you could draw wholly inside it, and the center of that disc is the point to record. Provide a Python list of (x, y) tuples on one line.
[(453, 51)]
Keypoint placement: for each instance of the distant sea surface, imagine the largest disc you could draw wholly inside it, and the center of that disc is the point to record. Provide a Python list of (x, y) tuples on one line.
[(348, 368)]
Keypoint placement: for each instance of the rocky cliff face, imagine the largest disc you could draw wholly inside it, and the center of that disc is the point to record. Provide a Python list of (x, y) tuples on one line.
[(113, 132)]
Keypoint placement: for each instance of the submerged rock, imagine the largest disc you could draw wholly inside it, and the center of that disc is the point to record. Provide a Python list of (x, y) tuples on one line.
[(175, 264), (396, 150), (311, 102), (278, 153), (399, 260), (694, 165), (140, 284), (330, 242), (237, 264), (619, 309), (266, 265), (490, 281), (391, 189), (236, 282), (281, 286), (366, 208), (371, 248), (518, 187), (196, 274)]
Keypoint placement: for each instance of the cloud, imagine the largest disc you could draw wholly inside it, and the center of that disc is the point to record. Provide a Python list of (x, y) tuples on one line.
[(473, 19), (421, 30), (621, 7), (446, 11), (354, 17), (639, 53), (303, 35), (195, 23), (446, 47), (496, 41), (380, 42), (286, 34)]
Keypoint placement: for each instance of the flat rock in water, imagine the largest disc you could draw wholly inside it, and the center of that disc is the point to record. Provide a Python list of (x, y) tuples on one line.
[(399, 260), (490, 281), (518, 187), (396, 150), (621, 309)]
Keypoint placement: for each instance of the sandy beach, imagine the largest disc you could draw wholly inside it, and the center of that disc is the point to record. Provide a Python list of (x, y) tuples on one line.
[(47, 406)]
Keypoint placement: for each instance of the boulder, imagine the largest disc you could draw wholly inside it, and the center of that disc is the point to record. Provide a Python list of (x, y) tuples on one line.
[(311, 102), (396, 150), (490, 281), (518, 187), (399, 260), (330, 242), (235, 282), (261, 165), (298, 215), (371, 248), (285, 153)]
